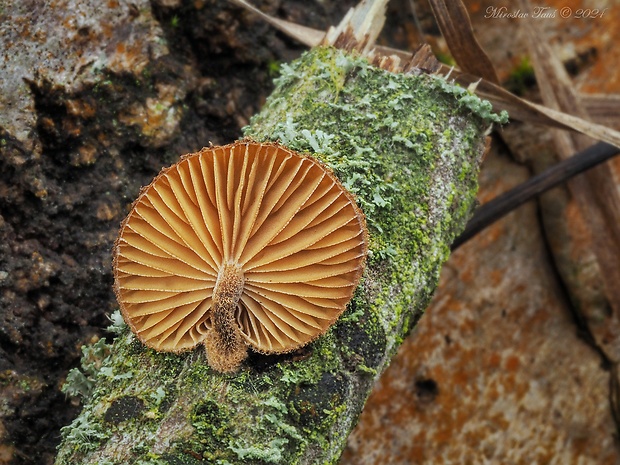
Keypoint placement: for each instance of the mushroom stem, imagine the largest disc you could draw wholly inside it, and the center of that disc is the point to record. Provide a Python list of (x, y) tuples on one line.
[(225, 346)]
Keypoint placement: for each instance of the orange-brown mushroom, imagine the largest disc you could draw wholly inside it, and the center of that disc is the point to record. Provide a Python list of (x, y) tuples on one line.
[(247, 244)]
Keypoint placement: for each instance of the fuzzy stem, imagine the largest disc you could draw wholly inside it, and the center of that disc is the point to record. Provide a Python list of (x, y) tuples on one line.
[(225, 346)]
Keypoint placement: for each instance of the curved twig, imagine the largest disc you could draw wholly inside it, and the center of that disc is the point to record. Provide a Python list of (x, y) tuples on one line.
[(508, 201)]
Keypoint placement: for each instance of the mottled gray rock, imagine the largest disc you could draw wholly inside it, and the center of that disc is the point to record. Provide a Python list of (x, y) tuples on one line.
[(67, 44)]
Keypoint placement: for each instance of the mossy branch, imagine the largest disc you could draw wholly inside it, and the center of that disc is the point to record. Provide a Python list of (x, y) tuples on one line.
[(408, 146)]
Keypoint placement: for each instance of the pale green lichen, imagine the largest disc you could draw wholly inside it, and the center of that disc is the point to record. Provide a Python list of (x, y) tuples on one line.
[(268, 453), (80, 382), (118, 325), (407, 147)]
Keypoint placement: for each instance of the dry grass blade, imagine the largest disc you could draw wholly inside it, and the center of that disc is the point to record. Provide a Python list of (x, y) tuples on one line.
[(523, 110), (456, 28), (603, 108), (306, 35), (596, 193)]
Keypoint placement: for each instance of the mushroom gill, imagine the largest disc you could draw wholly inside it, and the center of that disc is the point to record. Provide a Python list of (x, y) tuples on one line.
[(247, 244)]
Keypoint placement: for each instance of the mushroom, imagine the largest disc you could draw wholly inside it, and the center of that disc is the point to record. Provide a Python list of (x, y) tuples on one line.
[(248, 244)]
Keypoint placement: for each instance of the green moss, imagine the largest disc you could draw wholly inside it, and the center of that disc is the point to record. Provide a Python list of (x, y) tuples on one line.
[(213, 425), (521, 76), (273, 68)]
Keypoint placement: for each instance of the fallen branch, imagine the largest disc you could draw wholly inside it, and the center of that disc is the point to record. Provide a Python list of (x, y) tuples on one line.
[(408, 145)]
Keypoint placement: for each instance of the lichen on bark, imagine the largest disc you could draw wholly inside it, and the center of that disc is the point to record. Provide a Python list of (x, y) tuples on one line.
[(408, 146)]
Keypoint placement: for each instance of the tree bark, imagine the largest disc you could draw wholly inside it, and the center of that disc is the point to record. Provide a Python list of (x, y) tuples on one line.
[(408, 146)]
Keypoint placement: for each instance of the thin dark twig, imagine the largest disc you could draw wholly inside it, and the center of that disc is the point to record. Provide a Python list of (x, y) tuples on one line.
[(508, 201)]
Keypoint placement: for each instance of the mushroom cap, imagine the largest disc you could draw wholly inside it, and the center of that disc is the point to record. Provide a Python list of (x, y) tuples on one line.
[(283, 219)]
